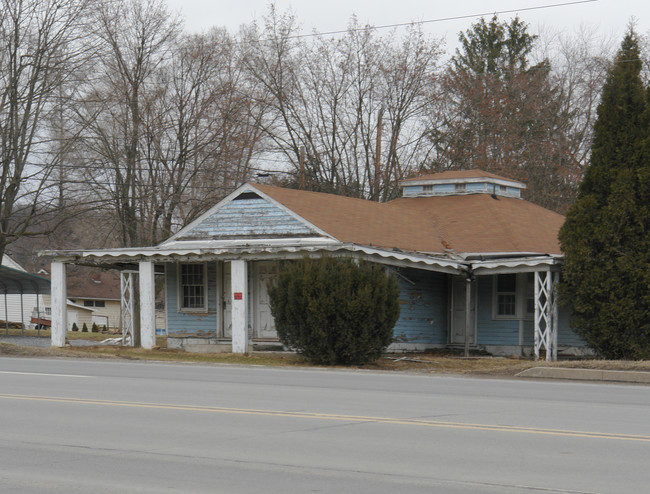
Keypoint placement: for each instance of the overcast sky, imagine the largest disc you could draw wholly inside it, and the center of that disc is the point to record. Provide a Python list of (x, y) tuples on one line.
[(608, 17)]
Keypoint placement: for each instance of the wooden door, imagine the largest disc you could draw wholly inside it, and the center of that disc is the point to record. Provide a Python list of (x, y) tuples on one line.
[(458, 320), (266, 272)]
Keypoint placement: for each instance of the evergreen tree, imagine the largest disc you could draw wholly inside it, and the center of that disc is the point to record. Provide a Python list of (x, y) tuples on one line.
[(606, 236), (504, 115), (335, 311)]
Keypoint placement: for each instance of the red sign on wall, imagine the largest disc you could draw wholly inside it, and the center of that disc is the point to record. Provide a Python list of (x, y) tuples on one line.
[(238, 296)]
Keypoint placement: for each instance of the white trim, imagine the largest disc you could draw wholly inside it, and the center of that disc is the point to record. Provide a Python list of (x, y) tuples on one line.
[(179, 286), (225, 243), (467, 180), (521, 299)]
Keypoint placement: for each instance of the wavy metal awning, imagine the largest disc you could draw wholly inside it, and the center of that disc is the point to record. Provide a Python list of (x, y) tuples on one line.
[(219, 250)]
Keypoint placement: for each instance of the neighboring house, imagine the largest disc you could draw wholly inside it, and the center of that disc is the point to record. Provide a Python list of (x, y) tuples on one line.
[(98, 291), (477, 265), (21, 292)]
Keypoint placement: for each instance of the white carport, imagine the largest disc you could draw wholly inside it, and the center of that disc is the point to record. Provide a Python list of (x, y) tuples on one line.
[(14, 281)]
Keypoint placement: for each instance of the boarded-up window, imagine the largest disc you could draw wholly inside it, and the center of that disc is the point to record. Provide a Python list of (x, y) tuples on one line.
[(192, 286)]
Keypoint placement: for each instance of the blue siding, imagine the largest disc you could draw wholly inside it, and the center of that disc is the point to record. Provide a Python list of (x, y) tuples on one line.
[(444, 188), (423, 308), (513, 191), (248, 217), (493, 331), (182, 324), (506, 332), (412, 190), (565, 336), (479, 187)]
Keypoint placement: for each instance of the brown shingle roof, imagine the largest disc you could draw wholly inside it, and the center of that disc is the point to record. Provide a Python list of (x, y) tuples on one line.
[(359, 221), (476, 223), (480, 223), (83, 282)]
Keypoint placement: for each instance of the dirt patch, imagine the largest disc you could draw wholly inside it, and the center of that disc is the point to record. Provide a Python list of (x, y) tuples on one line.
[(427, 363)]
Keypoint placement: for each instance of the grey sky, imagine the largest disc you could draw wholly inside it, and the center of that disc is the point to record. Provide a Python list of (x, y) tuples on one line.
[(607, 17)]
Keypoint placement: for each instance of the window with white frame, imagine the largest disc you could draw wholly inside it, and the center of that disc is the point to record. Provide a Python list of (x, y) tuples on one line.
[(192, 286), (513, 296), (506, 295)]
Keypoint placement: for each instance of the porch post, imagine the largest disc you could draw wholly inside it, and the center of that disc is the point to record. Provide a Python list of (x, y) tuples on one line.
[(555, 316), (59, 304), (147, 305), (546, 315), (468, 312), (239, 290), (537, 342)]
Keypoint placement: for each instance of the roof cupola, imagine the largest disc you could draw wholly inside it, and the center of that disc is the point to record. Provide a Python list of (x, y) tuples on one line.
[(461, 182)]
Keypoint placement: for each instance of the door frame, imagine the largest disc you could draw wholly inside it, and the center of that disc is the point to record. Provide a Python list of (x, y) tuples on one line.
[(255, 309), (456, 280)]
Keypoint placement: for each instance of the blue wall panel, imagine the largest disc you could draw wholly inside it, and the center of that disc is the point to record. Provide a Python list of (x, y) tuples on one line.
[(493, 331), (423, 308), (248, 217), (412, 190), (565, 336)]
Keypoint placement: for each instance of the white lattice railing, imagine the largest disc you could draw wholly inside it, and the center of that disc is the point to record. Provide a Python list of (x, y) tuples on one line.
[(546, 314), (127, 304)]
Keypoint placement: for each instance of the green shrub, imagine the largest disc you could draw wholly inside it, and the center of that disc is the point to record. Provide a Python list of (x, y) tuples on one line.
[(84, 328), (95, 328), (75, 327), (335, 311)]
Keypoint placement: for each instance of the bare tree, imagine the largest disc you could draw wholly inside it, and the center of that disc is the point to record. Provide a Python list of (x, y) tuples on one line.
[(200, 133), (39, 44), (135, 39), (328, 97)]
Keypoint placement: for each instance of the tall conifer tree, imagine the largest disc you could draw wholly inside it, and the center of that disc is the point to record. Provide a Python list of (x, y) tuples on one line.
[(606, 236)]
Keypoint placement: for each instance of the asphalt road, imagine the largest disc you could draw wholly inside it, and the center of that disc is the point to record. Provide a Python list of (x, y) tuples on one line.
[(97, 426)]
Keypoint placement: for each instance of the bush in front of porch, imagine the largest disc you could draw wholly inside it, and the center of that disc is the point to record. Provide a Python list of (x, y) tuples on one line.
[(335, 311)]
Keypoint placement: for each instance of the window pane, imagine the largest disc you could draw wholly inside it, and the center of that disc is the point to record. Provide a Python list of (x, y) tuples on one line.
[(88, 303), (192, 286), (100, 303), (507, 283), (506, 304)]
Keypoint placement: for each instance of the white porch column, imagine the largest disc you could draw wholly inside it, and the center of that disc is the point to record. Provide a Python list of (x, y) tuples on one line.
[(147, 305), (239, 290), (59, 303)]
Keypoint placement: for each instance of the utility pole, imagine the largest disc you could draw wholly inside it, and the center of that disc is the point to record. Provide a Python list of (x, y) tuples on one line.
[(377, 182), (302, 167)]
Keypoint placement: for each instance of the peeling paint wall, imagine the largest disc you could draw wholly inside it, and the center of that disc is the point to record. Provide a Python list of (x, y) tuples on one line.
[(423, 308), (196, 324), (248, 217)]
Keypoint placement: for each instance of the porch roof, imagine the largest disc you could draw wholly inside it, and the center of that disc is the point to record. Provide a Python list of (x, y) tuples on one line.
[(231, 250), (479, 264)]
